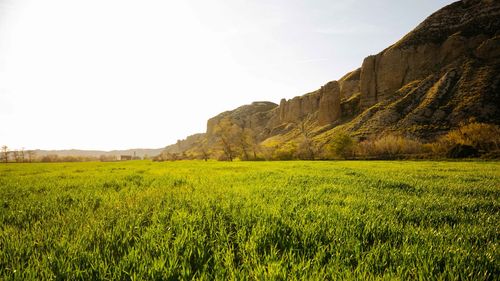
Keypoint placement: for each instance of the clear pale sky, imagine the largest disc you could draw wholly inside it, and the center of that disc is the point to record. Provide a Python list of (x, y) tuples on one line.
[(114, 74)]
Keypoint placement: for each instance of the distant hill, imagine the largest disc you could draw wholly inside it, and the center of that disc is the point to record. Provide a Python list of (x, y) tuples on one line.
[(140, 152), (443, 73)]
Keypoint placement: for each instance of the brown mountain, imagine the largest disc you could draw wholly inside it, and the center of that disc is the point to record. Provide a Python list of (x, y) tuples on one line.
[(444, 72)]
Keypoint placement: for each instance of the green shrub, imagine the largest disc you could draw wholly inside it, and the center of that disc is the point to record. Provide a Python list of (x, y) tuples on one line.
[(287, 151), (341, 146)]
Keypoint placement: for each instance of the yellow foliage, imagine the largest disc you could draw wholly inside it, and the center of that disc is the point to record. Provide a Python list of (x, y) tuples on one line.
[(485, 137), (389, 146)]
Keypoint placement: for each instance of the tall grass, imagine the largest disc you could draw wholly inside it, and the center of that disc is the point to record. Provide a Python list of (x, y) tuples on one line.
[(250, 220)]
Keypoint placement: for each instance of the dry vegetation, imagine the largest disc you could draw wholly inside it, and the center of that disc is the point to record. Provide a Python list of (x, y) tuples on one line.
[(469, 140)]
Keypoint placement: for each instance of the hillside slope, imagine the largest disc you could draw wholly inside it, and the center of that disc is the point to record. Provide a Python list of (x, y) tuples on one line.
[(444, 72)]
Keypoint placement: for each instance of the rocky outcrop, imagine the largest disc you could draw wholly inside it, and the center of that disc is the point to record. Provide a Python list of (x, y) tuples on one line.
[(329, 104), (442, 101), (185, 144), (296, 109), (446, 71), (385, 73), (324, 104), (456, 32), (489, 49), (468, 17), (254, 116), (349, 84), (350, 107), (368, 84), (268, 119)]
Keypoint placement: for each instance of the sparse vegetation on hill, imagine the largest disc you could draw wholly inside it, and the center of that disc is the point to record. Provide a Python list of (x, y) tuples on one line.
[(467, 141), (440, 75)]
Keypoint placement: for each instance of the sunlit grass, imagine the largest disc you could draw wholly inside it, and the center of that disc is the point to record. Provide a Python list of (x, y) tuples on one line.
[(250, 220)]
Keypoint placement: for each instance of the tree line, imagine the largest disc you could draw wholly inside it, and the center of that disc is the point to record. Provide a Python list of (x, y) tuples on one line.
[(30, 156), (235, 141), (19, 156)]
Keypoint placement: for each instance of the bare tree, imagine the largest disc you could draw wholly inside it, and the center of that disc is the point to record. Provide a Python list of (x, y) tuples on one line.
[(242, 138), (17, 156), (307, 149), (248, 142), (227, 147), (203, 150), (225, 131), (21, 155), (236, 138), (31, 155), (5, 154), (253, 141)]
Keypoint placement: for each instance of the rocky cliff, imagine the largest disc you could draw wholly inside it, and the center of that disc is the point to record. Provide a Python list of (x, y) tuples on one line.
[(254, 116), (442, 73), (323, 103), (445, 71), (454, 34)]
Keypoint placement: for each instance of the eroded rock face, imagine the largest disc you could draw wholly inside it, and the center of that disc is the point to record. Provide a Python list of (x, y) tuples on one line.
[(185, 144), (452, 34), (329, 104), (446, 71), (324, 103), (489, 49), (470, 18), (349, 84), (383, 74), (254, 116), (296, 109), (368, 84), (429, 107)]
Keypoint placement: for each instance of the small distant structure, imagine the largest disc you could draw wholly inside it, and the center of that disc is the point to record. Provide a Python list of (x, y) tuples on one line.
[(125, 157)]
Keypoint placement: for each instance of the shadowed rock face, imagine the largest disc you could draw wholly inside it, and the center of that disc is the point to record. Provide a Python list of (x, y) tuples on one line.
[(444, 72), (254, 116), (470, 18), (349, 84), (460, 32), (247, 115), (295, 109), (323, 103), (329, 104)]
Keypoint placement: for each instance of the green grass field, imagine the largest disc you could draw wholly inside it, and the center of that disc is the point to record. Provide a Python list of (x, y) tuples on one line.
[(250, 220)]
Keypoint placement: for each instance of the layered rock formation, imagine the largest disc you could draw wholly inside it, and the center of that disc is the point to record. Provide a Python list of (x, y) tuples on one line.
[(454, 34), (446, 71), (325, 103), (185, 144), (329, 104), (448, 67), (349, 84), (254, 116)]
